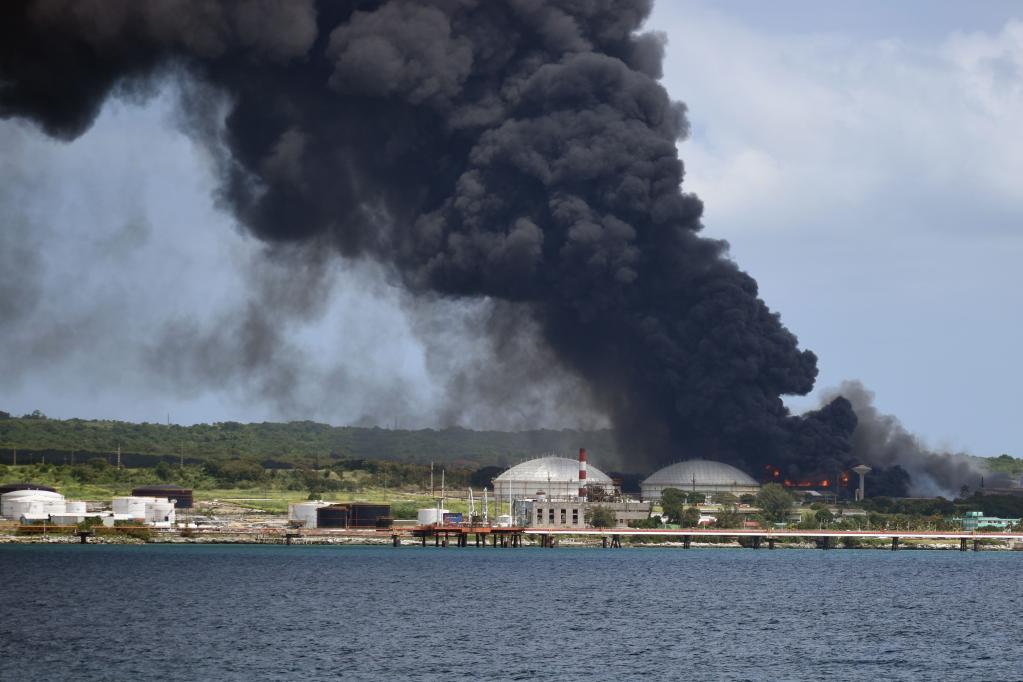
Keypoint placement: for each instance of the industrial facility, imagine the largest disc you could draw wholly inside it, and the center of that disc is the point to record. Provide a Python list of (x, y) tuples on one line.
[(551, 476), (561, 492), (700, 476), (357, 515)]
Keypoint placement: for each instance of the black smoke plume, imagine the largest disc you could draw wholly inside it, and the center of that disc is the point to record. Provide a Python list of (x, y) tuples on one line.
[(881, 441), (520, 150)]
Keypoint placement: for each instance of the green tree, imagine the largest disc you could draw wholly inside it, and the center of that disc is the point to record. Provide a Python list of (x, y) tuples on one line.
[(163, 471), (774, 502), (823, 516), (690, 518), (727, 499), (728, 517), (672, 503), (748, 499), (601, 517), (696, 498)]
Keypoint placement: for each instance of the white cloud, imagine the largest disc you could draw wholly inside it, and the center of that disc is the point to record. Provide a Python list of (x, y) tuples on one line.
[(871, 184)]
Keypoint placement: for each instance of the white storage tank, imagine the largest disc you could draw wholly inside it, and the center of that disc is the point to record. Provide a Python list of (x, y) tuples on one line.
[(160, 512), (431, 515), (32, 503), (305, 512), (76, 507), (133, 507)]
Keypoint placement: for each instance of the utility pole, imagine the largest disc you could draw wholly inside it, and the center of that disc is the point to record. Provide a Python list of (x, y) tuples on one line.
[(118, 456)]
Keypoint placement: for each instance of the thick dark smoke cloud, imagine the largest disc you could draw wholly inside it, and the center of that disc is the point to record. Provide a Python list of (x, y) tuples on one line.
[(517, 151), (881, 441)]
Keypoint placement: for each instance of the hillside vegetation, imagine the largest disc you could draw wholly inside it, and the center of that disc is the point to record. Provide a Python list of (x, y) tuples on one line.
[(283, 444)]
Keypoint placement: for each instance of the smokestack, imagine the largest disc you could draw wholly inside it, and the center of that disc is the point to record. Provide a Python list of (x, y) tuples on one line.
[(582, 473)]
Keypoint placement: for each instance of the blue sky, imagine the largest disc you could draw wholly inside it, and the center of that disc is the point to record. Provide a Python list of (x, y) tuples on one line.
[(863, 160)]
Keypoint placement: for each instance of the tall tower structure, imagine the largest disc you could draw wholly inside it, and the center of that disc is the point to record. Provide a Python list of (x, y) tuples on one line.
[(862, 470)]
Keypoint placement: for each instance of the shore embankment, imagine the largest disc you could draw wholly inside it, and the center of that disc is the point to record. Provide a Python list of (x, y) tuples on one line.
[(383, 538)]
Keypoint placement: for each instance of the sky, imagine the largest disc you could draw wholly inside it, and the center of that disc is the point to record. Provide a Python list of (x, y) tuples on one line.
[(863, 161)]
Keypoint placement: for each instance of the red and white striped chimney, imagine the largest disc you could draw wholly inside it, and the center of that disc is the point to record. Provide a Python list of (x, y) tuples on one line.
[(582, 472)]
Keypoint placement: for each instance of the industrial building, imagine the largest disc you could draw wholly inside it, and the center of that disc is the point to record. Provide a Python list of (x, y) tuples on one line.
[(551, 476), (701, 476), (972, 520), (574, 512)]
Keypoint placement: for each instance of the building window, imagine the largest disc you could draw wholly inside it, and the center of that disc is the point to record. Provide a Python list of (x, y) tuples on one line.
[(564, 517), (575, 517), (550, 516), (539, 515)]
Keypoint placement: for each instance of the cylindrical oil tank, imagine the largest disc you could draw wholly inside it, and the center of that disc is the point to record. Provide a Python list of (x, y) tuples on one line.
[(18, 503), (76, 507), (332, 516), (181, 497), (366, 514), (431, 515), (135, 507), (161, 511)]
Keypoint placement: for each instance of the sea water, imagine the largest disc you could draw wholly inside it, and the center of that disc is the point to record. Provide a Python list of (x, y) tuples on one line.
[(236, 612)]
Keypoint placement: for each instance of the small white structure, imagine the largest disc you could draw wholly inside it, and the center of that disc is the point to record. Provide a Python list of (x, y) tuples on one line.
[(160, 512), (31, 504), (304, 513), (76, 507), (430, 516), (699, 475), (553, 477)]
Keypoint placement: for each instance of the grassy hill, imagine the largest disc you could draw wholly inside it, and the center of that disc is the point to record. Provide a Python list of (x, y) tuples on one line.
[(282, 444)]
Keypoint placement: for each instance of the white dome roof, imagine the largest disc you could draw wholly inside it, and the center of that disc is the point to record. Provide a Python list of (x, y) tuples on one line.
[(706, 473), (33, 494), (556, 469)]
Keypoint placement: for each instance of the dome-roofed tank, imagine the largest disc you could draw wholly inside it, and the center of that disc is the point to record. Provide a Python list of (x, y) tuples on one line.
[(555, 477), (699, 475), (32, 503), (11, 487)]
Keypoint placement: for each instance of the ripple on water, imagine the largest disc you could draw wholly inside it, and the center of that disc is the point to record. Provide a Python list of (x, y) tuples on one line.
[(327, 613)]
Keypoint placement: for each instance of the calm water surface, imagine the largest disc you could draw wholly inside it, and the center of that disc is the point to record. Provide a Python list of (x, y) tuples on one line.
[(366, 613)]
